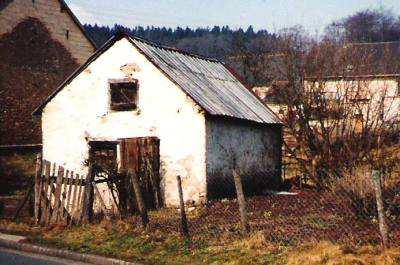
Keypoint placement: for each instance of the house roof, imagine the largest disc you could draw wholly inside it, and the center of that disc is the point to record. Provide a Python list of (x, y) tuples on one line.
[(64, 5), (356, 60), (350, 61), (213, 86), (77, 22)]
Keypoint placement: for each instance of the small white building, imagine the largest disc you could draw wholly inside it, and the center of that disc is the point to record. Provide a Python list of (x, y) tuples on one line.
[(205, 121)]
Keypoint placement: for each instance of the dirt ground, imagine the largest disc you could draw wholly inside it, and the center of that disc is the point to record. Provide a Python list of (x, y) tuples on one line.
[(285, 220)]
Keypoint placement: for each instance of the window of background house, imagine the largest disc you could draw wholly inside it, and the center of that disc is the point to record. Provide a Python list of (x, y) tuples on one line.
[(124, 94)]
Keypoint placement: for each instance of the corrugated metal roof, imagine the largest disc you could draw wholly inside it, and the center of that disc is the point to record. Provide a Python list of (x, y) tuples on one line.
[(208, 82)]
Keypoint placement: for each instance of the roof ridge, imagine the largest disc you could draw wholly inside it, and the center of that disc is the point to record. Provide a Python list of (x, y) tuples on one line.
[(372, 43), (173, 49)]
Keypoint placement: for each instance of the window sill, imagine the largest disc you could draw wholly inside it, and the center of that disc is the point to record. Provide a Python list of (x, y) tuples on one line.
[(133, 111)]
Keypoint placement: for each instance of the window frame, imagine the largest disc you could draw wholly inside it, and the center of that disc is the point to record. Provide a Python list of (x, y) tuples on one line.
[(128, 106)]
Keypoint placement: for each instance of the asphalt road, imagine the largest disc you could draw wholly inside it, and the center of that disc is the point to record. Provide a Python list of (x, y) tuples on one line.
[(12, 257)]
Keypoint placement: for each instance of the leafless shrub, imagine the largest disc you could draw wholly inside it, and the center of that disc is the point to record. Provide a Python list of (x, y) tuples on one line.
[(357, 186), (340, 123)]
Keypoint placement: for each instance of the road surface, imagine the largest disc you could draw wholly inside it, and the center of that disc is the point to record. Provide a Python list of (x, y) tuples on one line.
[(12, 257)]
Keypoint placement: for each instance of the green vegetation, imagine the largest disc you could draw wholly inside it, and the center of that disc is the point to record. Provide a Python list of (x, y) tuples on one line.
[(16, 171), (124, 241), (121, 240)]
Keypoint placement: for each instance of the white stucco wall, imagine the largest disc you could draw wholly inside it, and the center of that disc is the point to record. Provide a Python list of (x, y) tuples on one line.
[(257, 150), (81, 112)]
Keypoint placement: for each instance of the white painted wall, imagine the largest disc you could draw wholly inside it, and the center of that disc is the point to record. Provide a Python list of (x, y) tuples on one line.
[(81, 112)]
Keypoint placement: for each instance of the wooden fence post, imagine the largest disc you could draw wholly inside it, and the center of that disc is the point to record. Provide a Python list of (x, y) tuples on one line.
[(184, 222), (38, 186), (46, 191), (88, 197), (139, 199), (242, 203), (376, 179), (57, 195)]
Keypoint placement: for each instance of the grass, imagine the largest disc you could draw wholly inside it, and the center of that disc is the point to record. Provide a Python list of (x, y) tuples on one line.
[(122, 240), (328, 253)]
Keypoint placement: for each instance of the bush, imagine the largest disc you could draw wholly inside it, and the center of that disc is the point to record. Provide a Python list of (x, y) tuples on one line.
[(16, 172), (358, 189)]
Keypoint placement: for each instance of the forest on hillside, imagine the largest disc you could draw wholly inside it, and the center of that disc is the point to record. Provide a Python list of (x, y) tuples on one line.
[(241, 48), (217, 42)]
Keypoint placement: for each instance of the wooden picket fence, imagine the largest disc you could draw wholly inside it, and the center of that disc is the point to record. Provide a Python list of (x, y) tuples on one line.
[(60, 194)]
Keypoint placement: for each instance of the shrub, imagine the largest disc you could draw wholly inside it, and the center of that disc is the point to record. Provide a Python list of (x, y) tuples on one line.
[(357, 188), (15, 172)]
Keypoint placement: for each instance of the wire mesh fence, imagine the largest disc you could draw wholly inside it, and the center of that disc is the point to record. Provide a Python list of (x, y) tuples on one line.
[(291, 217), (291, 213)]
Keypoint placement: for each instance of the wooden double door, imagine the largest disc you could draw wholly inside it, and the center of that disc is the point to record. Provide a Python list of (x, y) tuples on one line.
[(141, 156)]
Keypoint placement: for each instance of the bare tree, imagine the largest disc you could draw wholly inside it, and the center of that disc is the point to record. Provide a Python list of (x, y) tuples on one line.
[(366, 26), (339, 123)]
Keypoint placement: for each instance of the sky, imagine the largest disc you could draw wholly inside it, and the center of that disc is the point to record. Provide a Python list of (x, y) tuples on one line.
[(272, 15)]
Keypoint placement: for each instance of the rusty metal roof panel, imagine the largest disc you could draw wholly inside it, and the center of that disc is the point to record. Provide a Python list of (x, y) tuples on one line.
[(208, 82)]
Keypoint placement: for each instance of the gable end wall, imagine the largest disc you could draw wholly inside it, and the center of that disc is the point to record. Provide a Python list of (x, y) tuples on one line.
[(57, 22), (80, 113)]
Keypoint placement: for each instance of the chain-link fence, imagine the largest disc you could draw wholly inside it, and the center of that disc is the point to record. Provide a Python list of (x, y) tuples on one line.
[(346, 213)]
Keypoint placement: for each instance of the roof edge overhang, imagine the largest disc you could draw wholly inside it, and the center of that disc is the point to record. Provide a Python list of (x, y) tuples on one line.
[(242, 120), (353, 77), (78, 23), (244, 83)]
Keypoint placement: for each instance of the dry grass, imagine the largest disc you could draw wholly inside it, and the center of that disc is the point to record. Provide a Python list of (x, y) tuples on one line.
[(330, 254), (125, 241)]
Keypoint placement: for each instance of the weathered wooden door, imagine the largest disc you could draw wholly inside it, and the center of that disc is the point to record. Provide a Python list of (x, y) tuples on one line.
[(141, 156)]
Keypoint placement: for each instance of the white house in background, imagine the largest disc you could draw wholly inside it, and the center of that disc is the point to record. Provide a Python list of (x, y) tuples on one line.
[(205, 120)]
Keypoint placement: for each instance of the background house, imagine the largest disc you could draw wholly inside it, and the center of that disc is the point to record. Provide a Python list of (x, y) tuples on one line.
[(206, 121), (364, 68), (41, 43)]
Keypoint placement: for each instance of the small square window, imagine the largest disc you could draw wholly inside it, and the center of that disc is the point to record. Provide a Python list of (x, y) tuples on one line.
[(123, 94)]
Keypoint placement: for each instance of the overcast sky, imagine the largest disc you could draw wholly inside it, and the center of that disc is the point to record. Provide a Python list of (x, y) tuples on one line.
[(272, 15)]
